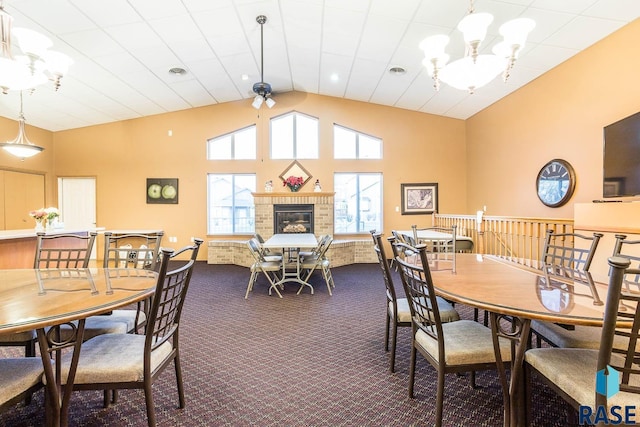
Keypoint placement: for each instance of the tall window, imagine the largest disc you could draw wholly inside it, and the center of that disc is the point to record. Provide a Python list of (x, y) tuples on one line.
[(294, 136), (230, 203), (358, 202), (349, 144), (238, 145)]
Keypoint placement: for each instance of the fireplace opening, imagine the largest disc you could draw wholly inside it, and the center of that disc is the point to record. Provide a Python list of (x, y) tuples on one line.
[(293, 218)]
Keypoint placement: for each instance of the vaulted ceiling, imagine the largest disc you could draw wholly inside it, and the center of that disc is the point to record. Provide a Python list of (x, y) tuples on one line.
[(123, 50)]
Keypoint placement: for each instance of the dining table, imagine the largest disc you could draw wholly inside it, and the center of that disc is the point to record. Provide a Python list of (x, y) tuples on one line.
[(514, 295), (291, 244), (44, 299)]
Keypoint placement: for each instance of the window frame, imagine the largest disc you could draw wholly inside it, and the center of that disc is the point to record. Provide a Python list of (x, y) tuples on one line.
[(358, 134), (232, 134), (233, 218), (294, 155), (359, 200)]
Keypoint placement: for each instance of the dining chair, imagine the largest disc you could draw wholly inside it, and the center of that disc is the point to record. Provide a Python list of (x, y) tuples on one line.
[(53, 251), (20, 377), (131, 250), (573, 372), (454, 347), (269, 254), (566, 259), (270, 269), (317, 259), (398, 312), (135, 361)]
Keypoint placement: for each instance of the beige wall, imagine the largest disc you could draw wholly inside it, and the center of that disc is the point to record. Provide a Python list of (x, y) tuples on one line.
[(559, 115), (491, 159), (417, 147)]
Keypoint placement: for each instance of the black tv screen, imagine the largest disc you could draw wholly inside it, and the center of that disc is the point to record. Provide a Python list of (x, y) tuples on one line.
[(622, 158)]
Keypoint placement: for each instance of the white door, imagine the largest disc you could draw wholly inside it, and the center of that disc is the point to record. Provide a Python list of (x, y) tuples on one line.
[(77, 204)]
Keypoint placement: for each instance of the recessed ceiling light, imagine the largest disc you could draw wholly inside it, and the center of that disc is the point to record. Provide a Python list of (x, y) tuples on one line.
[(397, 70), (334, 77), (245, 77), (177, 71)]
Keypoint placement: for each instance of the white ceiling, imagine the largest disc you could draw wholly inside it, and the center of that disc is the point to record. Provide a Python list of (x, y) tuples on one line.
[(123, 50)]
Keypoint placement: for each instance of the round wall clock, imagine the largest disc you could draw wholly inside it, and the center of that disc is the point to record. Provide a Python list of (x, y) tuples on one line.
[(555, 183)]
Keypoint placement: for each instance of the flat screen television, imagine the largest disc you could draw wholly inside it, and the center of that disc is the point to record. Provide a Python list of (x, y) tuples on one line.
[(622, 158)]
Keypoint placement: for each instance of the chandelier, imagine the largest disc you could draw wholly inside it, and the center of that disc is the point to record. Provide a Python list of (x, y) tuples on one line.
[(21, 146), (475, 70), (30, 62)]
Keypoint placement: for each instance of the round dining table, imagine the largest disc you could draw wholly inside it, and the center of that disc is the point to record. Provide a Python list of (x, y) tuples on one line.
[(514, 295), (42, 299)]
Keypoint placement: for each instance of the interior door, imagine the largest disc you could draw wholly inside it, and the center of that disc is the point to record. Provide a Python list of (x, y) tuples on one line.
[(77, 204)]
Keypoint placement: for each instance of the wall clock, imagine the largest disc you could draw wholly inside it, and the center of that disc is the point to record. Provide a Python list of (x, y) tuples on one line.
[(555, 183)]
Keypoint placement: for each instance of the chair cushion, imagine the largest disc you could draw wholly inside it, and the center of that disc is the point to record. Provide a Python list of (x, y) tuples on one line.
[(118, 322), (580, 337), (18, 337), (573, 370), (17, 375), (465, 342), (447, 312), (114, 358)]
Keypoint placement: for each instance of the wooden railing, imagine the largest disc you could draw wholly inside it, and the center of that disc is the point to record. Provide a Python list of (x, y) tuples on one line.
[(518, 239)]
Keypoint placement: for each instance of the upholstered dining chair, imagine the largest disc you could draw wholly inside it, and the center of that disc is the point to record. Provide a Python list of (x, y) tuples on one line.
[(135, 361), (53, 251), (573, 372), (130, 250), (566, 259), (398, 312), (270, 269), (19, 378), (462, 346)]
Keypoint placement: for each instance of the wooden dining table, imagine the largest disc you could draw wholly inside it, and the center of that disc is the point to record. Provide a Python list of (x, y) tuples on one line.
[(43, 299), (514, 295)]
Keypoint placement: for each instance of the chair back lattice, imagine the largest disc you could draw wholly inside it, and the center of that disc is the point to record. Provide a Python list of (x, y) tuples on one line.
[(567, 257), (418, 286), (622, 318), (63, 250), (168, 299), (384, 265), (132, 250), (438, 248), (629, 249)]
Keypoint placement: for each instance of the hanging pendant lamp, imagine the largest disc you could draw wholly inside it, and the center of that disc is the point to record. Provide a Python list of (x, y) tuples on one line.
[(21, 146)]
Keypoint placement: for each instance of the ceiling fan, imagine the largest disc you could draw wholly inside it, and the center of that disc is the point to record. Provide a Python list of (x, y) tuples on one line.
[(262, 89)]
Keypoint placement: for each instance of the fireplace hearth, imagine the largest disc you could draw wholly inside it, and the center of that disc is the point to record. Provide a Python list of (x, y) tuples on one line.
[(291, 218)]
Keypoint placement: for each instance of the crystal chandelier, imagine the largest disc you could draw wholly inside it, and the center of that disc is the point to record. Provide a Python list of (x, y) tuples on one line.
[(21, 146), (475, 70), (30, 62)]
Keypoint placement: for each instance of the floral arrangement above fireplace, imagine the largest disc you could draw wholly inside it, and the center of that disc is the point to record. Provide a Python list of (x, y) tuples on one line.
[(293, 182), (295, 176)]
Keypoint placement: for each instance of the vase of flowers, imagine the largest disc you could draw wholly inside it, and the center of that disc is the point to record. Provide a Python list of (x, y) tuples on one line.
[(52, 214), (294, 183), (40, 216)]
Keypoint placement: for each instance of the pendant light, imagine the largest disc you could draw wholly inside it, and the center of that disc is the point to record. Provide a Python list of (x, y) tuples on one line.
[(21, 146)]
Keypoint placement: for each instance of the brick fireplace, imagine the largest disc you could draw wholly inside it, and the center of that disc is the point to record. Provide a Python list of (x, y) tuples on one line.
[(322, 204), (341, 252)]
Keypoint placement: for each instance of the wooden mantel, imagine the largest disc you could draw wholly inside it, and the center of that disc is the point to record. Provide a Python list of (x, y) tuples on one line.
[(294, 194)]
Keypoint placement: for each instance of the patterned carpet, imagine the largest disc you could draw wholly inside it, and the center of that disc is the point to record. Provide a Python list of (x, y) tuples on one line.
[(304, 360)]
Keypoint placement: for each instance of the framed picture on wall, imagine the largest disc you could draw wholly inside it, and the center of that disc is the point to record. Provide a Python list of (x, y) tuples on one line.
[(162, 191), (418, 199)]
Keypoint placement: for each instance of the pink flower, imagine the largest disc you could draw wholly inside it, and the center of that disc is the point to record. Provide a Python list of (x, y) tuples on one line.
[(293, 181)]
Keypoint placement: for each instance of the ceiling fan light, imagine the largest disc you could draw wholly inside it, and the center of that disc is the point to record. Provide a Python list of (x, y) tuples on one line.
[(270, 102), (257, 102)]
